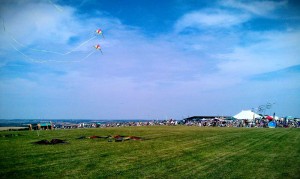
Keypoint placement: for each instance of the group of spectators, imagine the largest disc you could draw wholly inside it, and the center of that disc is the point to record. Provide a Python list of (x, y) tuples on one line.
[(123, 123), (170, 122), (258, 123)]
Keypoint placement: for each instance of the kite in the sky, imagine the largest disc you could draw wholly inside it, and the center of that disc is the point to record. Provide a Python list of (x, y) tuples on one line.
[(99, 32), (98, 47), (47, 51)]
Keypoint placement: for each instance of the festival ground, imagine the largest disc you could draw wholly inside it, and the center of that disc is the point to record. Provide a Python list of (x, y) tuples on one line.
[(164, 151)]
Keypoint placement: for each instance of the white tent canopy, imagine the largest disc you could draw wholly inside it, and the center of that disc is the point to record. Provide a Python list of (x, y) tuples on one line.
[(247, 114)]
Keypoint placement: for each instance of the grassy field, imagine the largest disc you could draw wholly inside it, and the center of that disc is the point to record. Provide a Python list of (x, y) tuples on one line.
[(167, 151)]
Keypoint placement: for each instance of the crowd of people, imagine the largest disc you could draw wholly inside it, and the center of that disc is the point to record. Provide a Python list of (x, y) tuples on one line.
[(216, 122), (124, 123), (258, 123), (170, 122), (199, 122)]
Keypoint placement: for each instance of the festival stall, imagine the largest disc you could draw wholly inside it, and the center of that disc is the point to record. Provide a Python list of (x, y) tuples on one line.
[(247, 115)]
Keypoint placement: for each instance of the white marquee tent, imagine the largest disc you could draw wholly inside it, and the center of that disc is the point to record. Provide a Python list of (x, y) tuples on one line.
[(247, 114)]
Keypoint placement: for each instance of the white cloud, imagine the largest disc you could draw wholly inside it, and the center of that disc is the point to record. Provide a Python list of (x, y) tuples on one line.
[(35, 22), (210, 18), (274, 51), (261, 8), (40, 25), (226, 18)]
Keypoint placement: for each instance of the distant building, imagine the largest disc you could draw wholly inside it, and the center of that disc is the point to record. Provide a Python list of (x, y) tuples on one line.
[(43, 126), (199, 118)]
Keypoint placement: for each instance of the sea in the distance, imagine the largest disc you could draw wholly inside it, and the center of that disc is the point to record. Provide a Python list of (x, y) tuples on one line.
[(24, 122)]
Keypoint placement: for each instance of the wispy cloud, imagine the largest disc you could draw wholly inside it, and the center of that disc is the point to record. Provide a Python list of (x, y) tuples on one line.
[(273, 51), (210, 18), (260, 8), (227, 14)]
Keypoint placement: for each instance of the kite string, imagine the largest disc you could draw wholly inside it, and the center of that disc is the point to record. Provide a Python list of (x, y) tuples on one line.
[(58, 8), (44, 61), (47, 51), (27, 57), (93, 51), (81, 44), (3, 24)]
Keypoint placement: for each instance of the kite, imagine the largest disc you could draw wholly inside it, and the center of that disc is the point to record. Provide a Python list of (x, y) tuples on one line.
[(117, 138), (97, 47), (27, 57), (52, 142), (99, 32)]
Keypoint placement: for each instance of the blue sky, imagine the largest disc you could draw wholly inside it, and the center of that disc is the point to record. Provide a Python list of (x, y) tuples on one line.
[(161, 59)]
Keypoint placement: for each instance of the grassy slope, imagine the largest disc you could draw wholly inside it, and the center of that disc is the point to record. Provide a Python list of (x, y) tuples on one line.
[(176, 152)]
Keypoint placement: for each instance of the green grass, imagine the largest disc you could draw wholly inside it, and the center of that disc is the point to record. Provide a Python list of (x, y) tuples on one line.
[(166, 152)]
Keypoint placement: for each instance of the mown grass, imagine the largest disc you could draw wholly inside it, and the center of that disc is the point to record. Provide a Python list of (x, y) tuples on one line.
[(166, 152)]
